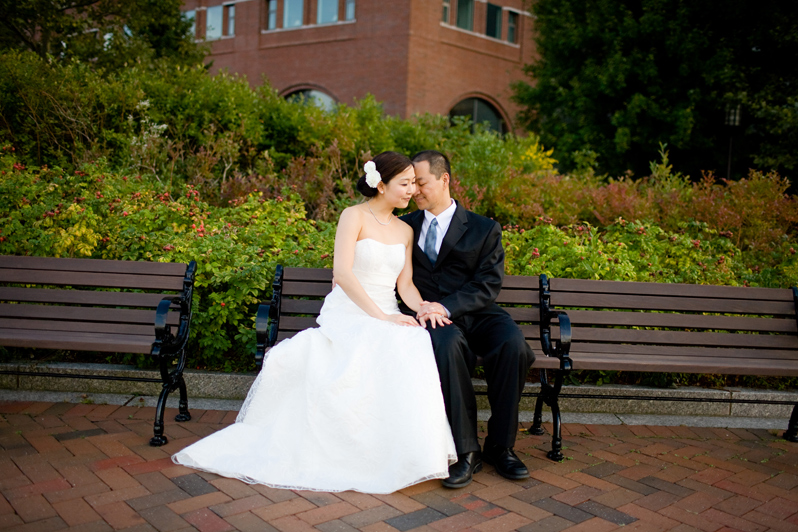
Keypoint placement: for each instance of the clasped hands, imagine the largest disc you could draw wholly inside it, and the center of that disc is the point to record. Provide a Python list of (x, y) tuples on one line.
[(434, 312)]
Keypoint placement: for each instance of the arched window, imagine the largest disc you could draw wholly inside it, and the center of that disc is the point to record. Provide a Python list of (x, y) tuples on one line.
[(479, 111), (312, 97)]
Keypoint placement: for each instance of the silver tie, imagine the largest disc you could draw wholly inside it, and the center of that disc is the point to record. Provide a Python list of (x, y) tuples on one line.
[(429, 242)]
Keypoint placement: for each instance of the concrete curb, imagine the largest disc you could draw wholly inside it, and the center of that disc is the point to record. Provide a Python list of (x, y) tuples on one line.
[(233, 387), (139, 401)]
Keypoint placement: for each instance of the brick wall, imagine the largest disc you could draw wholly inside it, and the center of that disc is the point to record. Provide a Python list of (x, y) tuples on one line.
[(398, 50)]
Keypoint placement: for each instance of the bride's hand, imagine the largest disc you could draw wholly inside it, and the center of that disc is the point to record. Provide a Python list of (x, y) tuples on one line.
[(434, 319), (401, 319)]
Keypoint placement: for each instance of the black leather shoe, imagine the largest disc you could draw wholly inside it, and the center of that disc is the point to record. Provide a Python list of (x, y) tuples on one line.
[(461, 473), (505, 461)]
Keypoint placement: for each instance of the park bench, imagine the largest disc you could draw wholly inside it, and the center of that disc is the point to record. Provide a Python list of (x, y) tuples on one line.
[(129, 307), (298, 294), (608, 335), (672, 328)]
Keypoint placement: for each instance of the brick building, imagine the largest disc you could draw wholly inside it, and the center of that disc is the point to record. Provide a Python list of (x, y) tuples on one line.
[(454, 57)]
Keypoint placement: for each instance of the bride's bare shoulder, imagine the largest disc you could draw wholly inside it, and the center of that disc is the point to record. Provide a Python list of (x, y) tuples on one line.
[(355, 211), (407, 231)]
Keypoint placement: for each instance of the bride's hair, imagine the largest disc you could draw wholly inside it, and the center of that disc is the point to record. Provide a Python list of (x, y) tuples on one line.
[(389, 164)]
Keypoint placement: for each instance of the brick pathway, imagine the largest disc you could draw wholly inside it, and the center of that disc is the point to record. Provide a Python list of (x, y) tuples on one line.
[(89, 468)]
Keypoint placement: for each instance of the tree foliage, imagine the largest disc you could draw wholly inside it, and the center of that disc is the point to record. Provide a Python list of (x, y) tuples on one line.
[(109, 33), (617, 77)]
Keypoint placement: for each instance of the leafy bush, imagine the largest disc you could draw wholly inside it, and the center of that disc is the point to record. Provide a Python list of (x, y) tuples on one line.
[(97, 214)]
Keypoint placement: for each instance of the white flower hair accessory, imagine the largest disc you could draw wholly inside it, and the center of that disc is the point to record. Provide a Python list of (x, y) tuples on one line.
[(373, 177)]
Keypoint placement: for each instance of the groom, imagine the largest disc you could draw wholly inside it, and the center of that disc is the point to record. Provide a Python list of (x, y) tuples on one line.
[(458, 265)]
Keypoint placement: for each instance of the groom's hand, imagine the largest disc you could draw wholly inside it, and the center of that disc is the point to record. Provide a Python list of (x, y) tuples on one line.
[(434, 312)]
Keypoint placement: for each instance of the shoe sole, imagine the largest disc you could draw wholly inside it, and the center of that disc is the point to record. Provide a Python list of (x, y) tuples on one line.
[(477, 469), (520, 476)]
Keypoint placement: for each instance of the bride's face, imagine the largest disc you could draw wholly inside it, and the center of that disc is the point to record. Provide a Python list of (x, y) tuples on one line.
[(400, 189)]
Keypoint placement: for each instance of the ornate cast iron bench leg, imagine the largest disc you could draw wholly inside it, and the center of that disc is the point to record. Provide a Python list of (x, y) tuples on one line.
[(537, 421), (550, 396), (182, 407), (792, 427)]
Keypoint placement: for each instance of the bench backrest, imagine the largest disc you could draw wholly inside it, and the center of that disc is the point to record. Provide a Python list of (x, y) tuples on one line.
[(303, 291), (51, 293), (623, 324)]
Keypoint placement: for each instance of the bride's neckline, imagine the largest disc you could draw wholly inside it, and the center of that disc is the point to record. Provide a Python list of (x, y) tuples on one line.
[(378, 242)]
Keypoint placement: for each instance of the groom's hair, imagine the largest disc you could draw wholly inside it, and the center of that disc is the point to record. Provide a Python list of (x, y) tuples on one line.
[(438, 162)]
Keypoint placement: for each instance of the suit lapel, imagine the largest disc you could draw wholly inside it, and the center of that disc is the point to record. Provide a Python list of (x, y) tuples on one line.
[(456, 230), (416, 220)]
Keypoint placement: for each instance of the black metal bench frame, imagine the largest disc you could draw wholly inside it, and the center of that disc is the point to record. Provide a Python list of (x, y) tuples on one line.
[(166, 346)]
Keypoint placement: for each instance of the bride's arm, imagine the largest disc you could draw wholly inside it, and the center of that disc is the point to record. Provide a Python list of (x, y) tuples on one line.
[(404, 283), (408, 291), (349, 226)]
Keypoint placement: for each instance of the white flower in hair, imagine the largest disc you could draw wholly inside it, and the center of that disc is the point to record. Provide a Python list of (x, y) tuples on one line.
[(373, 177)]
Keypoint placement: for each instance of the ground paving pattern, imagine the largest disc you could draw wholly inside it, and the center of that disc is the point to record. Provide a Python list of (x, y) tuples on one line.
[(88, 467)]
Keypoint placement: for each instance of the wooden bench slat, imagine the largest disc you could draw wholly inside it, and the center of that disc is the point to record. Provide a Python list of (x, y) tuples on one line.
[(107, 280), (669, 289), (641, 351), (541, 360), (612, 301), (301, 306), (80, 297), (518, 297), (524, 314), (84, 314), (298, 288), (93, 265), (308, 274), (727, 366), (112, 343), (521, 282), (623, 336), (78, 326), (688, 321), (296, 323)]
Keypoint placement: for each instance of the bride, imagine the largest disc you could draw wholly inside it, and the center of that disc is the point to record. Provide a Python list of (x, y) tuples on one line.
[(355, 404)]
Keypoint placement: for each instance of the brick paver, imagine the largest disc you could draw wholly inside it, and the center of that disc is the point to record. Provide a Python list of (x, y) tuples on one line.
[(89, 467)]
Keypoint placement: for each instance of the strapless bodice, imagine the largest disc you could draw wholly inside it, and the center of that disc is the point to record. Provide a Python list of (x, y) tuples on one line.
[(376, 266)]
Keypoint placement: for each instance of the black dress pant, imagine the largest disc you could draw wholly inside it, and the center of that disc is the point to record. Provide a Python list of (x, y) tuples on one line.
[(506, 357)]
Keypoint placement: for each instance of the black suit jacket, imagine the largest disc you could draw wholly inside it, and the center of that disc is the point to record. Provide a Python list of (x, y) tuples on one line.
[(468, 274)]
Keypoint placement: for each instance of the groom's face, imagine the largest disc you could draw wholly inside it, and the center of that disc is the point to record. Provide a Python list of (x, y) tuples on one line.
[(432, 194)]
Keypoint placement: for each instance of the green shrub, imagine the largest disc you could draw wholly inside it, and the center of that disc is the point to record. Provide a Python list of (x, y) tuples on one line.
[(97, 214)]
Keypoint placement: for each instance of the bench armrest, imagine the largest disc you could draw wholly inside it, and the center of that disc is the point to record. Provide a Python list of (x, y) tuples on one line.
[(562, 347), (558, 348), (265, 332), (167, 343), (267, 320)]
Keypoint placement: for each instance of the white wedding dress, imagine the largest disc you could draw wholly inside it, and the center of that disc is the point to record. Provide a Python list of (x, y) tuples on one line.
[(355, 404)]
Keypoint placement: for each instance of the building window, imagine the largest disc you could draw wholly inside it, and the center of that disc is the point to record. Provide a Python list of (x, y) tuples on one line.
[(512, 27), (327, 11), (312, 97), (446, 8), (494, 26), (213, 23), (230, 15), (480, 111), (465, 14), (293, 13), (350, 10), (271, 22), (220, 21), (191, 16)]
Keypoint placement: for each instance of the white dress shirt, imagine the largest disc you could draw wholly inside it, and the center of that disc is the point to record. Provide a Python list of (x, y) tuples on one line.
[(444, 221)]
